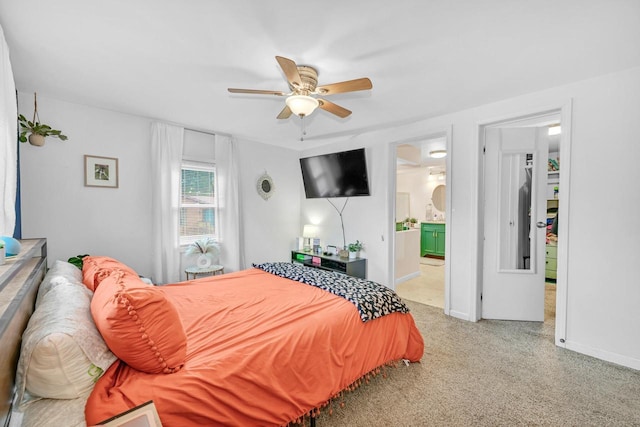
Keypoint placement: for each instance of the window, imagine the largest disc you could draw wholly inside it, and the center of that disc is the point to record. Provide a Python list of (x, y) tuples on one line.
[(198, 202)]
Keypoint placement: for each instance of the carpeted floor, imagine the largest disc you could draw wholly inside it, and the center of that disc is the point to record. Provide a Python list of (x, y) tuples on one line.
[(492, 373)]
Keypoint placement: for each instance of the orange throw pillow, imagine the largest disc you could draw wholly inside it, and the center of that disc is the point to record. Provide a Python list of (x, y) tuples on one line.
[(140, 326), (96, 268)]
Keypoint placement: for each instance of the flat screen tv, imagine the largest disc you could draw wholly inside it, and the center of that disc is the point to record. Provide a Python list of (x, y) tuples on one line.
[(342, 174)]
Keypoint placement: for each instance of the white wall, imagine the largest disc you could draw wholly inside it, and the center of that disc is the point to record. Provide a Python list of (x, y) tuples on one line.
[(365, 218), (602, 315), (420, 185), (76, 219), (116, 222), (270, 226), (603, 296)]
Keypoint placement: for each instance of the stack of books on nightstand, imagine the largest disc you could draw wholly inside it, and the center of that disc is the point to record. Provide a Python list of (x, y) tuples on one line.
[(303, 257)]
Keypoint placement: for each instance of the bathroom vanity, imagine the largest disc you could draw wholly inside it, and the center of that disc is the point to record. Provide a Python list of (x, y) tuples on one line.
[(432, 237)]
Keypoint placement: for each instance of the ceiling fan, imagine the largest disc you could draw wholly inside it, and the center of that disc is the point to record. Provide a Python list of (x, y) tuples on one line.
[(303, 82)]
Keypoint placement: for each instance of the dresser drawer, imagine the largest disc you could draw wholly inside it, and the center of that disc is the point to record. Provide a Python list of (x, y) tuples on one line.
[(552, 251), (551, 264), (550, 274)]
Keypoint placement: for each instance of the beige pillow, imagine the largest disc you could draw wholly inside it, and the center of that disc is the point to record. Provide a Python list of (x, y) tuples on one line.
[(62, 352), (61, 272)]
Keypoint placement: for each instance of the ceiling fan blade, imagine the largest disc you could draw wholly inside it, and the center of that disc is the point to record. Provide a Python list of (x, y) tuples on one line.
[(257, 91), (348, 86), (333, 108), (290, 71), (285, 113)]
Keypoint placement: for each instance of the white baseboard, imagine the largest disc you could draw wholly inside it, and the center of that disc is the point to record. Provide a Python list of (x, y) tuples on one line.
[(407, 277), (459, 315), (608, 356)]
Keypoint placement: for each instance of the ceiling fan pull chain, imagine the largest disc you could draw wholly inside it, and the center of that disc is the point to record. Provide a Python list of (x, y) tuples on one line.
[(303, 132)]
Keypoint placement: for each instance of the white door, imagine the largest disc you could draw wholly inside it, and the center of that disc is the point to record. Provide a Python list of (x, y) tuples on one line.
[(514, 223)]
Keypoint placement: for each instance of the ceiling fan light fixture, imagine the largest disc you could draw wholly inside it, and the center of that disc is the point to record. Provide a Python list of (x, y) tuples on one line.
[(438, 154), (302, 105)]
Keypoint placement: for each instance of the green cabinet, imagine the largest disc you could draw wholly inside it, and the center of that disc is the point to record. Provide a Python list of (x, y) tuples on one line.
[(432, 239)]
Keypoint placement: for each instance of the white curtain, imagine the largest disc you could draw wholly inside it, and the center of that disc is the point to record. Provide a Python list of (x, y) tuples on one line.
[(166, 160), (229, 225), (8, 142)]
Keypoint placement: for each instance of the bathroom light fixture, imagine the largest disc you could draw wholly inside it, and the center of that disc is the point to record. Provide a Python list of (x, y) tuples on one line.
[(438, 154), (302, 105), (555, 130)]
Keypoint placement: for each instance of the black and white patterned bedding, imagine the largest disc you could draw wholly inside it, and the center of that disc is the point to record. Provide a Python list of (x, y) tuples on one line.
[(372, 299)]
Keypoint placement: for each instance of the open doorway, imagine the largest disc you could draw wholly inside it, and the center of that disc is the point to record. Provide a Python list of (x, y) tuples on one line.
[(500, 141), (420, 220)]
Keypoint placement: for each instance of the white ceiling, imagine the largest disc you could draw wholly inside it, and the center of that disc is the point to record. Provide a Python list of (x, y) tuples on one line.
[(417, 154), (174, 60)]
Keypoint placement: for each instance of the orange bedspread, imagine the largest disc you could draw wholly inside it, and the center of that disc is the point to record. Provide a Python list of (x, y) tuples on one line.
[(262, 350)]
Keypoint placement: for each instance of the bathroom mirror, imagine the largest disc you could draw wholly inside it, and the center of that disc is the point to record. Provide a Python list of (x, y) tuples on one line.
[(439, 197)]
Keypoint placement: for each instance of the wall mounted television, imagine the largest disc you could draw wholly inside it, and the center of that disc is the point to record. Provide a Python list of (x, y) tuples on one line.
[(342, 174)]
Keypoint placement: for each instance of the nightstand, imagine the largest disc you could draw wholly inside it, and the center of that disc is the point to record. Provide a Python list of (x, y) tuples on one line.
[(212, 269)]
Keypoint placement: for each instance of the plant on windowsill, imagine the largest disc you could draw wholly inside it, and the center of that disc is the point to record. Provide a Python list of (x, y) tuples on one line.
[(37, 131), (206, 249), (354, 249)]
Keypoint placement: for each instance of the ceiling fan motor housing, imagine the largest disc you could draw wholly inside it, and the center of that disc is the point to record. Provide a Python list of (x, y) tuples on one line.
[(309, 79)]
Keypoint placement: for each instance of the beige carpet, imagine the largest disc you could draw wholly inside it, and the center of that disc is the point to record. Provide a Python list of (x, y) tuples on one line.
[(492, 373)]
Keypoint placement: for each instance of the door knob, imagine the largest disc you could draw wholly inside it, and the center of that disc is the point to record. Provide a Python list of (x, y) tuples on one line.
[(541, 224)]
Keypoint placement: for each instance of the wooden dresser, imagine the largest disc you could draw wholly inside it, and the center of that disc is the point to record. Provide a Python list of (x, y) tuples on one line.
[(20, 278)]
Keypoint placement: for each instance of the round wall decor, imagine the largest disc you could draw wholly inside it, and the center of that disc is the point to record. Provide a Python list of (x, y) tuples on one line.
[(265, 186)]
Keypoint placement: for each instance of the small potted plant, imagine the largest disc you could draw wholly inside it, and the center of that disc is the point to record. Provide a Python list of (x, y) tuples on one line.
[(414, 222), (354, 249), (37, 131), (206, 250)]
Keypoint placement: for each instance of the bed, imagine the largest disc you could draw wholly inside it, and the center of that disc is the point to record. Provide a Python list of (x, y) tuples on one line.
[(265, 346)]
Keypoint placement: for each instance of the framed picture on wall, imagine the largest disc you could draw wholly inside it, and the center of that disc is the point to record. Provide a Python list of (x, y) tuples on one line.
[(100, 171)]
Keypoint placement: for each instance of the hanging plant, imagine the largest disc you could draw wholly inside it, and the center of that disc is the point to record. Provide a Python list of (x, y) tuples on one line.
[(37, 131)]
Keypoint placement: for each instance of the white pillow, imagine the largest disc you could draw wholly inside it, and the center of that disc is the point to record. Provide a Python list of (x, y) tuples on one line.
[(62, 353), (61, 272)]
